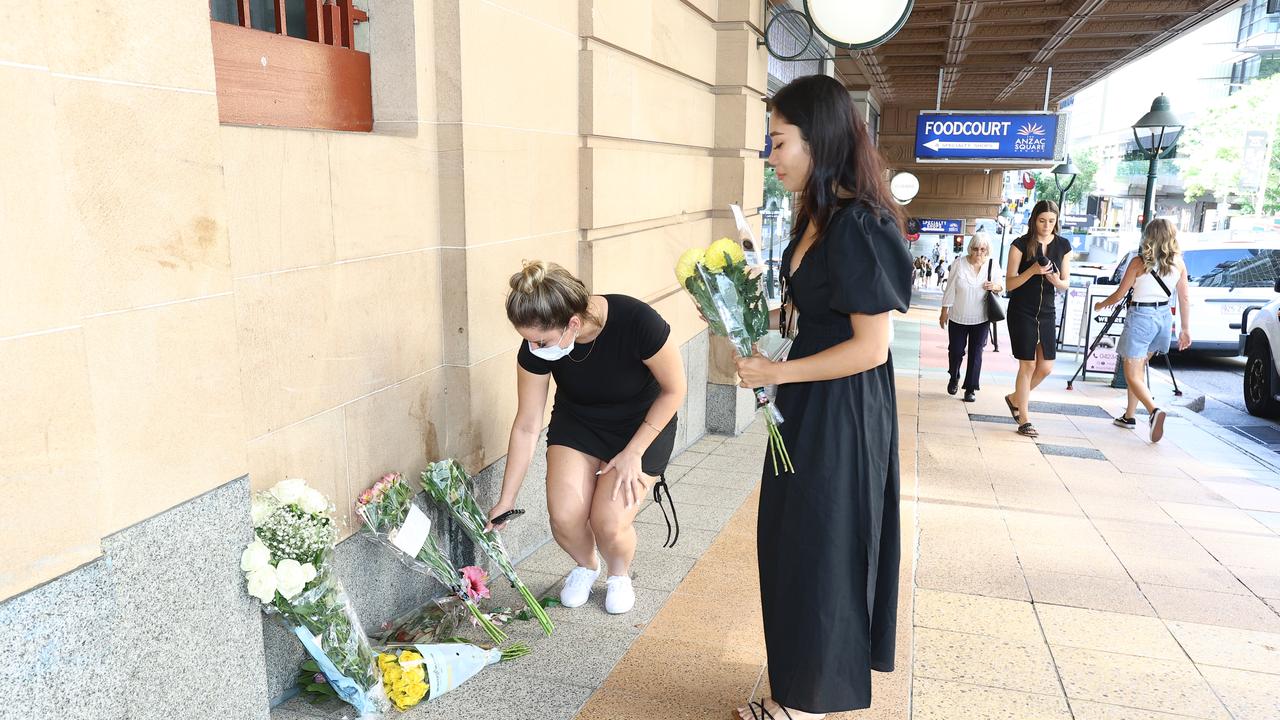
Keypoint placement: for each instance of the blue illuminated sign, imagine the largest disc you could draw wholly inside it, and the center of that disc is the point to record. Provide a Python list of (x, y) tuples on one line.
[(930, 226), (965, 136)]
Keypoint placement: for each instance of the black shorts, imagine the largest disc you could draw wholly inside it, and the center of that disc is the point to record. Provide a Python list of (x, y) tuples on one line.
[(604, 444)]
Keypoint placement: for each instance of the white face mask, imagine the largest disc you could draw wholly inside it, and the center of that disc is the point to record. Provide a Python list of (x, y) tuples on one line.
[(551, 353)]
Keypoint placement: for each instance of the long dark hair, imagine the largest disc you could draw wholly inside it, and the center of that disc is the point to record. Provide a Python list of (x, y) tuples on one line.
[(841, 150), (1039, 209)]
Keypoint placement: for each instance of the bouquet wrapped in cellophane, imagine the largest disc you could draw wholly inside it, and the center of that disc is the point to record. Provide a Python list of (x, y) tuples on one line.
[(731, 300), (391, 519), (288, 567), (427, 671), (446, 483)]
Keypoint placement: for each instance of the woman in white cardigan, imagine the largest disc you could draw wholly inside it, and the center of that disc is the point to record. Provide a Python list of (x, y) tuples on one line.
[(964, 312)]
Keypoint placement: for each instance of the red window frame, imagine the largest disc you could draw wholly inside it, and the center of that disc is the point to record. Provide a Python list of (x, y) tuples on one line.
[(270, 78)]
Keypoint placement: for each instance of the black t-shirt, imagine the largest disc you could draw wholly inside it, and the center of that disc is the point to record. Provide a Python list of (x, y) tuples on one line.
[(1038, 292), (606, 380)]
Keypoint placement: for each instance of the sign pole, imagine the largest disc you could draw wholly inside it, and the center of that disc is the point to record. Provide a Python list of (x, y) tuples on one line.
[(1047, 82), (1266, 173)]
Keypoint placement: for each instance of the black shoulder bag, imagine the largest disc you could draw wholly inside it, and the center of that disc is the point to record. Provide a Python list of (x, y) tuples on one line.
[(991, 302)]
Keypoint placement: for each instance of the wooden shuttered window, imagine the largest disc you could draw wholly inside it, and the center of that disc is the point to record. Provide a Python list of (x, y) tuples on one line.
[(291, 63)]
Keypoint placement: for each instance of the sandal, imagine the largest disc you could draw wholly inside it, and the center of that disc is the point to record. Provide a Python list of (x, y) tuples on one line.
[(752, 705), (1013, 409), (1026, 429)]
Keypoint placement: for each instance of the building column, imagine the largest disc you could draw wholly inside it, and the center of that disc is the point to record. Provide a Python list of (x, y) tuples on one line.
[(741, 83)]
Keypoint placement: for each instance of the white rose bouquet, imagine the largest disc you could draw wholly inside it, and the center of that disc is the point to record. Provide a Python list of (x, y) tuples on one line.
[(288, 567)]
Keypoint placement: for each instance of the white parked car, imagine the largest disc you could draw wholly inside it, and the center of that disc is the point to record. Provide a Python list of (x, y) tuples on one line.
[(1260, 344), (1224, 278)]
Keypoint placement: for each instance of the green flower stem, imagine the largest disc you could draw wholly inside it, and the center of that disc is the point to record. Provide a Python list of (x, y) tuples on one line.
[(536, 608), (515, 650), (493, 631)]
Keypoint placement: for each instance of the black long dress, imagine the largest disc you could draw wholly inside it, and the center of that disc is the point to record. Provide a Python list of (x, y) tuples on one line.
[(1032, 315), (828, 535)]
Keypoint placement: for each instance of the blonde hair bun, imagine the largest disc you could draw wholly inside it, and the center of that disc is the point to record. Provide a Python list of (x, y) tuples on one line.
[(545, 295), (530, 277)]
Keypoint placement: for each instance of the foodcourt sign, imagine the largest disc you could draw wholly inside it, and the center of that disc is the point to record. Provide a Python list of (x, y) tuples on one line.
[(970, 137)]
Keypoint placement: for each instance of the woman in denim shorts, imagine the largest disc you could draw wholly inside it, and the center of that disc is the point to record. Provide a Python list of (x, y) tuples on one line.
[(1148, 320)]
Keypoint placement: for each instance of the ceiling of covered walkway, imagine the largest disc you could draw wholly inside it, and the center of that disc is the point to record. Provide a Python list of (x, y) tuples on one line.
[(996, 53)]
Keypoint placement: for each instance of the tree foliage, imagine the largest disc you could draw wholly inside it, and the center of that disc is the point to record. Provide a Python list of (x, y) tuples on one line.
[(1212, 147), (773, 188), (1087, 163)]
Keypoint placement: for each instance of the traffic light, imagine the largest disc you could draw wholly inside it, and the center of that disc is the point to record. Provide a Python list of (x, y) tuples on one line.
[(913, 226), (957, 243)]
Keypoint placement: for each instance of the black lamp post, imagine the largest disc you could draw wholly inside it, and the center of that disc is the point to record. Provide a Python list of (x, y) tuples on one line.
[(1064, 173), (1005, 218), (1155, 133)]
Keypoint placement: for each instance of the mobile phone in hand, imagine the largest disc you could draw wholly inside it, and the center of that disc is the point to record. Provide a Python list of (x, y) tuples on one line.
[(506, 516)]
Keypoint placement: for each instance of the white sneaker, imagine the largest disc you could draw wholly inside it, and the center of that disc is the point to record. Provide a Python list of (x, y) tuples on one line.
[(577, 587), (621, 597)]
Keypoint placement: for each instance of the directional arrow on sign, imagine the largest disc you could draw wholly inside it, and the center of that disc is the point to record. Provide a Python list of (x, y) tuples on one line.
[(936, 145)]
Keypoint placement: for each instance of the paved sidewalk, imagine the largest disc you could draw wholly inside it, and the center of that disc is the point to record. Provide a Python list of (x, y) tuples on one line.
[(1088, 575)]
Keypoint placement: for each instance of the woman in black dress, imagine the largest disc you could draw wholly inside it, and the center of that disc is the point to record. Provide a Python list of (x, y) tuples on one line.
[(828, 534), (619, 382), (1039, 265)]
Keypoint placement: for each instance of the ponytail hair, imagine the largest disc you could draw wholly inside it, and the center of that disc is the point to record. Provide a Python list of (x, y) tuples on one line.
[(545, 296)]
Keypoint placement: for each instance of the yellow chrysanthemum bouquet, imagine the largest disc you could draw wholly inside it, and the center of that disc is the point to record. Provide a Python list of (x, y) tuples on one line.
[(404, 678), (731, 300), (425, 672)]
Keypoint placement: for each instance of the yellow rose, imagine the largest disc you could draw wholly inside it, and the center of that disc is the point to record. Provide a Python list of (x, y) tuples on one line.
[(415, 674), (715, 258), (687, 264), (392, 674)]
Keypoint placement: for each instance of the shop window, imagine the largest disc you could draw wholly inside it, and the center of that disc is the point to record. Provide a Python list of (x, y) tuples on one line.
[(291, 63)]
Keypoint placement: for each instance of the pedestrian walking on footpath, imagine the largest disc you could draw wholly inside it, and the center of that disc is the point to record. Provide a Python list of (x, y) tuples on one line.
[(964, 313), (1148, 320), (1039, 265), (941, 270), (828, 535)]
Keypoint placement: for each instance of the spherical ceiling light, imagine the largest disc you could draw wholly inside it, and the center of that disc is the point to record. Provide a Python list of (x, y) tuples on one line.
[(857, 24)]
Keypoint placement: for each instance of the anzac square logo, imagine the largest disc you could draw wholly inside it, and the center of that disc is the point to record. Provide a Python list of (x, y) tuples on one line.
[(1031, 139)]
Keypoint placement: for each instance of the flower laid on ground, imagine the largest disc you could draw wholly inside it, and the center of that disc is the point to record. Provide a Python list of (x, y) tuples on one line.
[(287, 567), (446, 483), (404, 677), (475, 582), (734, 306), (387, 510), (425, 672)]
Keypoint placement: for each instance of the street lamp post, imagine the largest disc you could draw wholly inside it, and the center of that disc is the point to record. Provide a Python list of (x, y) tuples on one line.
[(1005, 218), (1064, 172), (1155, 133), (769, 281)]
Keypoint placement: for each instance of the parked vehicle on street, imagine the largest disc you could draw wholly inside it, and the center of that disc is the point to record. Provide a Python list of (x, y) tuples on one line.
[(1260, 344), (1225, 277)]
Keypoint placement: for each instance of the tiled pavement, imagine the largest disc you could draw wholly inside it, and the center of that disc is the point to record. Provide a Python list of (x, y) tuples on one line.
[(1091, 575)]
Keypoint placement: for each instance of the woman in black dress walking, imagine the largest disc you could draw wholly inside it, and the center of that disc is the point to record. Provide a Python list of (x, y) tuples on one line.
[(1038, 267), (828, 534)]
